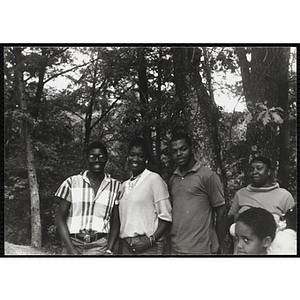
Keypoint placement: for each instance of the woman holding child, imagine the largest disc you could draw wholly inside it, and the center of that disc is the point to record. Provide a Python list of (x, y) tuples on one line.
[(144, 206)]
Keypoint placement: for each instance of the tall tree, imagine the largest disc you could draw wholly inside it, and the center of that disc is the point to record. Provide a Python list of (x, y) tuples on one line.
[(36, 232), (158, 113), (265, 81), (180, 64), (189, 86), (143, 92), (33, 63), (93, 91), (284, 135)]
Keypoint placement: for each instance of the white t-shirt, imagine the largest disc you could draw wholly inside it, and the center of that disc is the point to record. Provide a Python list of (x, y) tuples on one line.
[(142, 204), (285, 243)]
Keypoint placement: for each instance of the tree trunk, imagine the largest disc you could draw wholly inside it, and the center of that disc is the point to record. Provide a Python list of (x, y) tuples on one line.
[(89, 112), (90, 108), (36, 232), (211, 114), (190, 87), (264, 81), (40, 87), (284, 136), (7, 135), (180, 72), (143, 90), (158, 127)]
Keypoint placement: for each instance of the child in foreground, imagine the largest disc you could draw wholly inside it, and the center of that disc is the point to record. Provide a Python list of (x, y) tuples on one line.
[(254, 231), (285, 242)]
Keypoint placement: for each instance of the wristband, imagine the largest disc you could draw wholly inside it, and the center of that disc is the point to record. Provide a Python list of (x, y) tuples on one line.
[(109, 252)]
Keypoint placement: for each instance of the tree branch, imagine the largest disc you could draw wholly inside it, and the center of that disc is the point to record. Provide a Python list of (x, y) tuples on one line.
[(63, 72), (105, 113), (57, 52), (109, 109)]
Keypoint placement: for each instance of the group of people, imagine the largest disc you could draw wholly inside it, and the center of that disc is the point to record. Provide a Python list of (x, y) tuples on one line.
[(98, 215)]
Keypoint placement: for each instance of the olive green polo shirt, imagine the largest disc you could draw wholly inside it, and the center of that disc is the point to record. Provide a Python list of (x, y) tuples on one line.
[(194, 195)]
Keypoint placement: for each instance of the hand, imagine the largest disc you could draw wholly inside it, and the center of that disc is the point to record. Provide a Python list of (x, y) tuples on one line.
[(141, 245), (108, 253)]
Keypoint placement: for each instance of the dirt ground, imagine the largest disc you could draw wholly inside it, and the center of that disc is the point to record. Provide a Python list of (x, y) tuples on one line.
[(11, 249)]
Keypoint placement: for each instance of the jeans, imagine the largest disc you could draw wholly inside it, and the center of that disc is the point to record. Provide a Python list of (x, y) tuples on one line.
[(154, 250), (174, 252), (98, 247)]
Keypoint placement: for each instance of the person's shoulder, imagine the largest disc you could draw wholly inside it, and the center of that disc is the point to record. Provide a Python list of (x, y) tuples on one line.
[(242, 190), (72, 180), (113, 180), (155, 178), (172, 177), (154, 175), (207, 173), (78, 176), (282, 191), (204, 170)]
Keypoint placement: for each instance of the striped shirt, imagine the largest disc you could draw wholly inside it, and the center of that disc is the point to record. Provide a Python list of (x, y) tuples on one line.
[(89, 211)]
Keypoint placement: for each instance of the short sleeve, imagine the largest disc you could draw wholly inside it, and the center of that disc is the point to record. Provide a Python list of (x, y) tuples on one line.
[(234, 206), (288, 203), (215, 190), (162, 199), (64, 190), (119, 193)]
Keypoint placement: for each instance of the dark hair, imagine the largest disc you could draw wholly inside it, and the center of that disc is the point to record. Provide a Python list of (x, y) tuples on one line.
[(140, 142), (291, 218), (260, 221), (263, 160), (96, 145), (181, 136)]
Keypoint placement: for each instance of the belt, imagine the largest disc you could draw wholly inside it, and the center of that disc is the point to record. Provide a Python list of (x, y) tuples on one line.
[(88, 238)]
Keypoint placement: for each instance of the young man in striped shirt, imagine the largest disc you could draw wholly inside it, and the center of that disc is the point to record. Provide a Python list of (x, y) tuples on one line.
[(87, 219)]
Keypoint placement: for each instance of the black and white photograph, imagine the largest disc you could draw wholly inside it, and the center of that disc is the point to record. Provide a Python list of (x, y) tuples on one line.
[(148, 150)]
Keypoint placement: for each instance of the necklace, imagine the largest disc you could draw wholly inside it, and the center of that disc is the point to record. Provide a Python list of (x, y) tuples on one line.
[(133, 181)]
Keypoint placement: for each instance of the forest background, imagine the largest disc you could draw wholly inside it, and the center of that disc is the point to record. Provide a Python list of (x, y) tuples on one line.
[(115, 93)]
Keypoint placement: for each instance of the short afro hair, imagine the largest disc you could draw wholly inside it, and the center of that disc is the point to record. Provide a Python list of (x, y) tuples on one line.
[(96, 145), (181, 136), (260, 221), (263, 160), (140, 142)]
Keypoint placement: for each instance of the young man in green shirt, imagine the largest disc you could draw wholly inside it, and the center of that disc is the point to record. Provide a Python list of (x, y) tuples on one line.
[(197, 195)]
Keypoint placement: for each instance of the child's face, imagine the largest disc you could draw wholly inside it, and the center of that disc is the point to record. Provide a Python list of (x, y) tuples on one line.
[(246, 242)]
